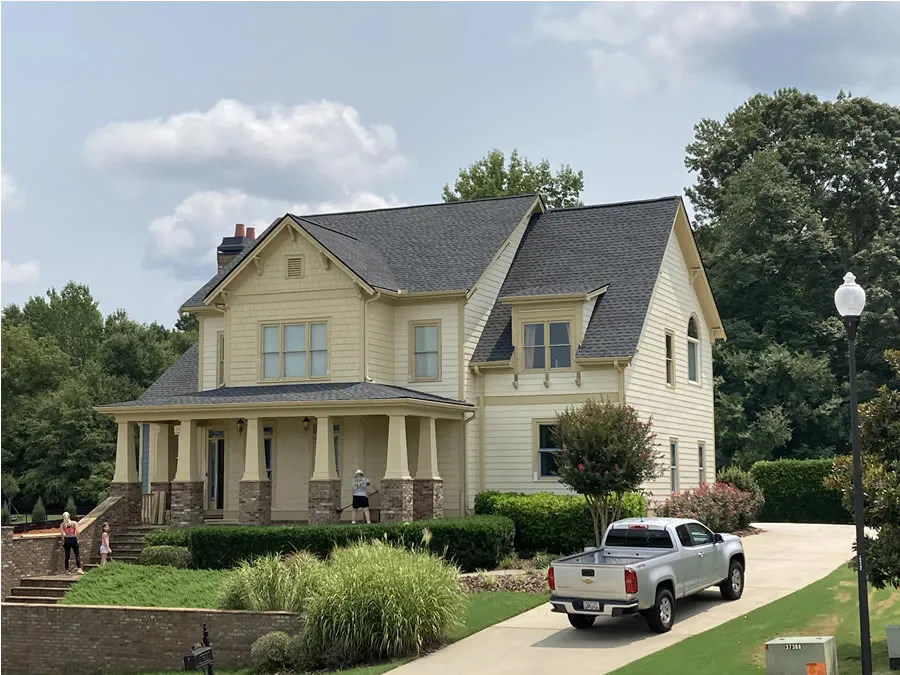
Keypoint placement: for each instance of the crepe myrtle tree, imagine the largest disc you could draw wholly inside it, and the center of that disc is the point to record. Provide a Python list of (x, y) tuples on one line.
[(606, 451)]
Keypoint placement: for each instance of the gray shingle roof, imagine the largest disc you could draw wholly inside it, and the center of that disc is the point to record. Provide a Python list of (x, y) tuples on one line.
[(434, 247), (178, 386), (579, 250)]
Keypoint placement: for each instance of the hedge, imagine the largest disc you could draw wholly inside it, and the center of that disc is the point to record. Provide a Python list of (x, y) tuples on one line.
[(795, 492), (169, 556), (553, 523), (471, 543)]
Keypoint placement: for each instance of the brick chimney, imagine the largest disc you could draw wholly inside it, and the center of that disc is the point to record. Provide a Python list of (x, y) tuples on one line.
[(231, 246)]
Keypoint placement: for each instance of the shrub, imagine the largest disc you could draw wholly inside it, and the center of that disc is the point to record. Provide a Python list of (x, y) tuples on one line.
[(471, 543), (173, 536), (167, 556), (272, 583), (549, 522), (269, 654), (39, 513), (795, 491), (71, 507), (4, 516), (736, 476), (721, 507), (377, 602)]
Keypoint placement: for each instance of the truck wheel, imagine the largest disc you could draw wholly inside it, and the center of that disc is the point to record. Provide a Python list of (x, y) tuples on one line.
[(581, 621), (661, 616), (733, 587)]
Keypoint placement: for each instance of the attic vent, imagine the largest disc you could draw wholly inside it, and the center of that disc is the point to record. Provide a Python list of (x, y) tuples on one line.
[(294, 268)]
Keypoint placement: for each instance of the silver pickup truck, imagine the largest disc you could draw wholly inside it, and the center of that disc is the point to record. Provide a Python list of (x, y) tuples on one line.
[(644, 565)]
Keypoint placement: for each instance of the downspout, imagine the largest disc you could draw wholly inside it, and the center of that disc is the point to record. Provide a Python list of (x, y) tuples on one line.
[(620, 380), (482, 409), (464, 492), (365, 338)]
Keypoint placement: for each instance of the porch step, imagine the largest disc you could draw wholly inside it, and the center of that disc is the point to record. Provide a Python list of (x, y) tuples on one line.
[(33, 591), (57, 581), (47, 590), (36, 600)]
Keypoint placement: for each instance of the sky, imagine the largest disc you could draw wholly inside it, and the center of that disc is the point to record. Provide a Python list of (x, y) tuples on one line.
[(133, 136)]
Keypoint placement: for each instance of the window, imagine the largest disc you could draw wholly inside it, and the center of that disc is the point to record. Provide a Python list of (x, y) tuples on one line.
[(336, 430), (426, 351), (670, 361), (547, 449), (539, 351), (673, 462), (638, 538), (693, 347), (684, 536), (294, 351), (700, 536), (700, 452), (220, 359), (267, 448)]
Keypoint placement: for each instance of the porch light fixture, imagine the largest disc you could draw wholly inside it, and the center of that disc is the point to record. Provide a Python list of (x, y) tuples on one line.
[(240, 425), (306, 422)]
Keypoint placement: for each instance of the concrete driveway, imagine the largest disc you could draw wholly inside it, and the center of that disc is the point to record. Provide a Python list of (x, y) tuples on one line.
[(783, 559)]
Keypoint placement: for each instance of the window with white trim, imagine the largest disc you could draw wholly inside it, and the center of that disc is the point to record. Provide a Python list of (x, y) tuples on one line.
[(547, 342), (426, 347), (701, 464), (220, 358), (294, 351), (548, 446), (693, 349), (673, 465), (670, 361)]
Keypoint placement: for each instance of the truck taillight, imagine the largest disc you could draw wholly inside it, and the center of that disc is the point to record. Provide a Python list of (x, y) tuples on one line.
[(551, 581), (631, 582)]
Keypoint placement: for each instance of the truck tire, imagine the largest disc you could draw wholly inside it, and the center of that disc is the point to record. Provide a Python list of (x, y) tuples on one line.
[(661, 616), (733, 587), (581, 621)]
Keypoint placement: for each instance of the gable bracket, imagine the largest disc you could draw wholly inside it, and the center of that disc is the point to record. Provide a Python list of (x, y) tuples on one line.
[(695, 272), (258, 263), (326, 260), (293, 230)]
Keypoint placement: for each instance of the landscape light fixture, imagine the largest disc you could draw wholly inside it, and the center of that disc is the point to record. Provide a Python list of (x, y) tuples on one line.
[(850, 300)]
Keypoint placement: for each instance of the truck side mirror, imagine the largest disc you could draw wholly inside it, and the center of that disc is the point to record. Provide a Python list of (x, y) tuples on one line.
[(717, 538)]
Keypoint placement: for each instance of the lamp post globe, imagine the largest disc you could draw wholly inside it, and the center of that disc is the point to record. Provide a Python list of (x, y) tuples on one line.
[(850, 300)]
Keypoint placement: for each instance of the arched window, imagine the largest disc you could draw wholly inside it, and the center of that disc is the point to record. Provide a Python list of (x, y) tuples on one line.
[(693, 347)]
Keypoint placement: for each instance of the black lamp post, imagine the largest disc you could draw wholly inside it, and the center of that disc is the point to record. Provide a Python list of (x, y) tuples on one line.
[(850, 299)]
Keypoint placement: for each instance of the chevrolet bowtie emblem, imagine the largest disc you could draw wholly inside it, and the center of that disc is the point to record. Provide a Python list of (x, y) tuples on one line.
[(588, 581)]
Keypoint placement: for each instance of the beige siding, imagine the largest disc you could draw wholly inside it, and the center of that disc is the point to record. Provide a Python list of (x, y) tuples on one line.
[(586, 313), (447, 312), (561, 382), (380, 338), (210, 326), (684, 411), (258, 297)]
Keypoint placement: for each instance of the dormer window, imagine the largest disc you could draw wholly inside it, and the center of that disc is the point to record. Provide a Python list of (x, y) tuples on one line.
[(548, 342)]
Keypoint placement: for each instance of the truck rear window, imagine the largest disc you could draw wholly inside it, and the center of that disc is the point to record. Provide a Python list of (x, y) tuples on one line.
[(639, 539)]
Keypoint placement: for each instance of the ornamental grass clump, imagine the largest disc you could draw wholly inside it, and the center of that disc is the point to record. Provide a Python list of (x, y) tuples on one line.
[(721, 507), (273, 583), (376, 602)]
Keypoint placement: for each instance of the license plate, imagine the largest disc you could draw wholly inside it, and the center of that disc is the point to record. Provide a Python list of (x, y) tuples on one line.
[(591, 606)]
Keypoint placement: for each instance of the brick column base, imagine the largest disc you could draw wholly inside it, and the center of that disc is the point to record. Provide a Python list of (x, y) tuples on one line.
[(255, 502), (396, 500), (187, 504), (130, 508), (324, 502), (428, 498)]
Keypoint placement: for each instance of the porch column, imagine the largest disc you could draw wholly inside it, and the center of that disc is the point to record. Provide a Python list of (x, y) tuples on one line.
[(397, 484), (187, 488), (255, 488), (125, 484), (324, 486), (159, 461), (428, 488)]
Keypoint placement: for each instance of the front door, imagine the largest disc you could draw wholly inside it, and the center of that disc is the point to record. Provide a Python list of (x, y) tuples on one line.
[(215, 476)]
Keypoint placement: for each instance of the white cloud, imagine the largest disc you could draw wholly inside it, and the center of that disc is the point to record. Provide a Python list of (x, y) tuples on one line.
[(10, 195), (315, 150), (20, 273), (185, 241), (641, 47)]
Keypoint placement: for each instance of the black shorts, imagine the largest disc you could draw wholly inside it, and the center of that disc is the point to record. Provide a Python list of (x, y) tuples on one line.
[(360, 502)]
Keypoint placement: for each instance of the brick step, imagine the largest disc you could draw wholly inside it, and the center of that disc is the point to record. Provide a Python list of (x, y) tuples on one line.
[(35, 600), (35, 591), (134, 549), (48, 582), (129, 537)]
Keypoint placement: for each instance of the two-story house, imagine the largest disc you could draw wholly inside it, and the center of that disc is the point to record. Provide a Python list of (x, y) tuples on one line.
[(430, 346)]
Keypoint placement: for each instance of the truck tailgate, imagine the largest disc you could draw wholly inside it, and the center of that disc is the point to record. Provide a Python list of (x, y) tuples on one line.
[(591, 582)]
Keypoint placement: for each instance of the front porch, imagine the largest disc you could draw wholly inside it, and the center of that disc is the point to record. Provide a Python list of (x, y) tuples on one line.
[(266, 463)]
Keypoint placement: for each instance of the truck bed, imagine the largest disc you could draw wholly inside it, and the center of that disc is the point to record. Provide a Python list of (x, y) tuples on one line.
[(614, 557)]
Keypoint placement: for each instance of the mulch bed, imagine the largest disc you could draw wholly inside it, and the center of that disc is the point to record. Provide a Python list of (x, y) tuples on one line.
[(749, 532), (37, 528), (526, 582)]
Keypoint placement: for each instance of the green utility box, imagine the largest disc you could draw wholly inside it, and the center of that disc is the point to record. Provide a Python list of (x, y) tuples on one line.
[(801, 656)]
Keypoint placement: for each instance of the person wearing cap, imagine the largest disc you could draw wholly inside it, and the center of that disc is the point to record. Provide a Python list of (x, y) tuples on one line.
[(361, 496)]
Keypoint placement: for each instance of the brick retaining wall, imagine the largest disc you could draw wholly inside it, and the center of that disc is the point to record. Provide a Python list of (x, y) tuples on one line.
[(126, 639)]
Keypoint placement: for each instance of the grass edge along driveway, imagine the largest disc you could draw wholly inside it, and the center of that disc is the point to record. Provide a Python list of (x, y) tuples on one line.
[(826, 607)]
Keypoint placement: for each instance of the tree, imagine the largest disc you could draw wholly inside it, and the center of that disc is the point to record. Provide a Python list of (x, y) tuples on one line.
[(791, 192), (606, 452), (879, 433), (490, 176)]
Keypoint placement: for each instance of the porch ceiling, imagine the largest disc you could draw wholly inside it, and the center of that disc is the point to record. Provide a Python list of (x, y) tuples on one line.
[(289, 398)]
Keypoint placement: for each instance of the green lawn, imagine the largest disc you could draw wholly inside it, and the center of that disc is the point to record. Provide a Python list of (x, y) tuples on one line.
[(827, 607)]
